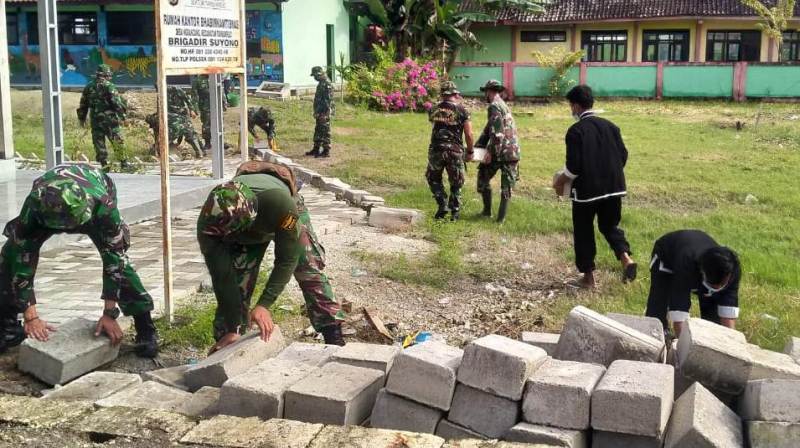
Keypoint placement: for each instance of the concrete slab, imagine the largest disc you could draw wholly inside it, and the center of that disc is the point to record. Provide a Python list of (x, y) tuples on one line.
[(772, 365), (314, 400), (308, 353), (715, 356), (260, 391), (545, 341), (647, 325), (538, 434), (154, 428), (792, 348), (471, 443), (482, 412), (499, 365), (371, 356), (700, 419), (203, 403), (43, 414), (148, 395), (169, 376), (233, 360), (359, 437), (634, 398), (426, 373), (72, 351), (772, 434), (602, 439), (227, 431), (354, 196), (95, 386), (591, 337), (559, 394), (393, 218), (771, 400), (452, 431), (393, 412)]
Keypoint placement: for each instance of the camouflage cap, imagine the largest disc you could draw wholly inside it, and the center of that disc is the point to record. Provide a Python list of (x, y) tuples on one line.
[(230, 208), (103, 70), (450, 88), (61, 203), (317, 70), (494, 85)]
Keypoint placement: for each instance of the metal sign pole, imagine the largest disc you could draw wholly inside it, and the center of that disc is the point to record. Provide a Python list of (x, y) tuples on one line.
[(217, 126), (51, 83), (244, 148), (6, 133), (163, 148)]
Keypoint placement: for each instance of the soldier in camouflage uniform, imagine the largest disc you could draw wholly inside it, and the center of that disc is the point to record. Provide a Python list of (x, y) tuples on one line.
[(499, 137), (451, 121), (180, 109), (108, 110), (76, 199), (202, 101), (236, 225), (263, 118), (324, 109)]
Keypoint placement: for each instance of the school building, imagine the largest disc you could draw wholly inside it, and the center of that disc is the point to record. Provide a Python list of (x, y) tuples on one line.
[(285, 38), (639, 48)]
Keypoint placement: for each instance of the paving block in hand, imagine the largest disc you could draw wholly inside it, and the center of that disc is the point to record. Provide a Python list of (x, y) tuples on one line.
[(426, 373), (699, 419)]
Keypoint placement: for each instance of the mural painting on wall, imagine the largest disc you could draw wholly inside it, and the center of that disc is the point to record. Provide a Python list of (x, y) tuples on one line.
[(264, 47)]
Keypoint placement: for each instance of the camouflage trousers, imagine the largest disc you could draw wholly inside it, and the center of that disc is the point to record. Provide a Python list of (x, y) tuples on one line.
[(205, 119), (509, 175), (440, 160), (179, 128), (322, 131), (102, 130), (321, 304)]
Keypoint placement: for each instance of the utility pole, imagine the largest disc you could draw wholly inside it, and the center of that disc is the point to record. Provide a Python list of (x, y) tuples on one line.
[(51, 83)]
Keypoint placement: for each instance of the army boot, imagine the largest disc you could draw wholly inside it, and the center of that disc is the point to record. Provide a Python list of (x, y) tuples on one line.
[(314, 152), (126, 167), (441, 213), (146, 336), (333, 335), (487, 203), (501, 213), (326, 152), (11, 332)]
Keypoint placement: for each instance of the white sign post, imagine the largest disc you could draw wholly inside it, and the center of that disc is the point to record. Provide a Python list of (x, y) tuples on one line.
[(194, 37)]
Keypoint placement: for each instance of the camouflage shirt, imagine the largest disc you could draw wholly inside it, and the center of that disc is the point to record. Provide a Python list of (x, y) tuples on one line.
[(263, 118), (200, 95), (179, 102), (448, 126), (499, 136), (26, 234), (102, 98), (323, 98)]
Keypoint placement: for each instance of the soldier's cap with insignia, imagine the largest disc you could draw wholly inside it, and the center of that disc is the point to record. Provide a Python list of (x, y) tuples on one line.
[(230, 208), (450, 88), (317, 70), (103, 70), (494, 85), (61, 204)]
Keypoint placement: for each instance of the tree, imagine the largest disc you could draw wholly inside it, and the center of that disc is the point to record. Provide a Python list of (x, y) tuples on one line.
[(776, 18)]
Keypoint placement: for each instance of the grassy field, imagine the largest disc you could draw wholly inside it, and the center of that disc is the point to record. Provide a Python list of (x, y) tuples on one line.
[(689, 167)]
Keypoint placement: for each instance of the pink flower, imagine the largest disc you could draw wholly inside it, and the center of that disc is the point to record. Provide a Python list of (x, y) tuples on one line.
[(422, 91), (427, 105)]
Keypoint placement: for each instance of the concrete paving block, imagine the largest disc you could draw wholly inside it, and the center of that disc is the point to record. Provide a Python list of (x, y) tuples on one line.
[(591, 337), (44, 414), (472, 443), (426, 373), (772, 365), (148, 395), (771, 401), (634, 398), (336, 186), (603, 439), (233, 360), (72, 351), (792, 348), (482, 412), (647, 325), (354, 196), (451, 431), (308, 353), (545, 341), (203, 403), (371, 356), (772, 434), (95, 386), (360, 437), (152, 426), (559, 394), (715, 356), (499, 365), (305, 175), (260, 391), (169, 376), (699, 419), (372, 200), (314, 399), (393, 218), (538, 434), (393, 412), (227, 431)]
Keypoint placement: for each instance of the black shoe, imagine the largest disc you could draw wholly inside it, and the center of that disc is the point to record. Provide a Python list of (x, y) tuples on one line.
[(501, 213), (454, 215), (487, 203), (324, 154), (313, 153), (333, 335), (442, 211), (146, 336)]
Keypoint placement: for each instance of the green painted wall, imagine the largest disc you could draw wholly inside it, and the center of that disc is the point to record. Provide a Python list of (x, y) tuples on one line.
[(533, 81), (471, 79), (690, 81), (498, 42), (304, 40), (773, 81), (622, 81)]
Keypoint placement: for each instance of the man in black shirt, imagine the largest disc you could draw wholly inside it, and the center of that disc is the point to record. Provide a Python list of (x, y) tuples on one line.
[(596, 158), (689, 261)]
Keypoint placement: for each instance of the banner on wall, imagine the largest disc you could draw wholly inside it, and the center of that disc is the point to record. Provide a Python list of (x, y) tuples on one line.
[(202, 36)]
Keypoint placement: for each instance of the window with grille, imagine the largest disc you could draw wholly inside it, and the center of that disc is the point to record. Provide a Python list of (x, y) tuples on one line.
[(666, 46), (543, 36), (790, 50), (733, 46), (77, 28), (605, 46)]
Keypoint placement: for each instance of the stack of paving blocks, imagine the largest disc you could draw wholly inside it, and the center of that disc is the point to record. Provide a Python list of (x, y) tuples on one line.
[(771, 411)]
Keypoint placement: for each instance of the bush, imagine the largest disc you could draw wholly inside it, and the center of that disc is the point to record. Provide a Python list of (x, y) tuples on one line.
[(410, 85), (560, 61)]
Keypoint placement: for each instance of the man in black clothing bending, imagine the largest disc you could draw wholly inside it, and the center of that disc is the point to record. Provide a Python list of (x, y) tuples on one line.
[(690, 261), (596, 158)]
